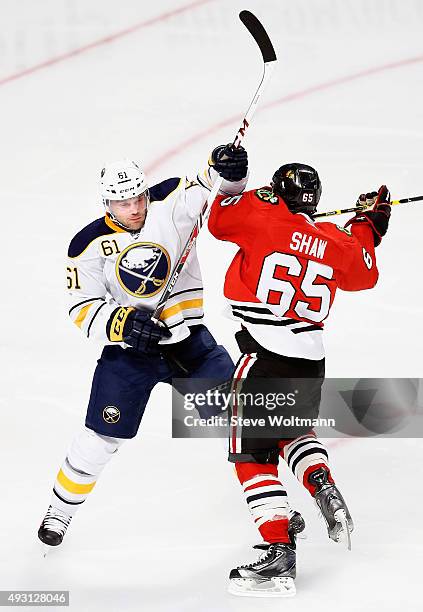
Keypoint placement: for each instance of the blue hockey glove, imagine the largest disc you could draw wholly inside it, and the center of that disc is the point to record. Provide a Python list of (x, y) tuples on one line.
[(135, 327), (231, 164)]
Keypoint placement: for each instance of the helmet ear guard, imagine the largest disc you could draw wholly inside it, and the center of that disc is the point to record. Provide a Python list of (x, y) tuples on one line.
[(299, 185)]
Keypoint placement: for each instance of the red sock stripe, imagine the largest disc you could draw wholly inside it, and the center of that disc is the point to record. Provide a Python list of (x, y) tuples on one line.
[(275, 531), (262, 483)]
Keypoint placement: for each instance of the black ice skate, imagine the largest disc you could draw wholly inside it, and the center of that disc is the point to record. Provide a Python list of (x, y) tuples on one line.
[(332, 506), (274, 572), (271, 576), (53, 527)]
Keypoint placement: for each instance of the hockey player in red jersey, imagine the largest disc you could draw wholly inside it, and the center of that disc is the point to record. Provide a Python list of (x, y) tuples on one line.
[(281, 286)]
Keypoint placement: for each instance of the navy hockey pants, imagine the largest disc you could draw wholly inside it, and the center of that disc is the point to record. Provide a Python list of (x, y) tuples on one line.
[(124, 379)]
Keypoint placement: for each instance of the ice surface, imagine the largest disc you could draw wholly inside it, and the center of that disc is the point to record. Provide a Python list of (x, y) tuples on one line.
[(166, 521)]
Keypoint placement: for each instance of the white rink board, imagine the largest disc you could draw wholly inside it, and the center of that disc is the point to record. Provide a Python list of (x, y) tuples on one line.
[(166, 521)]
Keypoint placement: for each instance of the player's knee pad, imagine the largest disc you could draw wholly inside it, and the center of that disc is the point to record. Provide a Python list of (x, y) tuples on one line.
[(263, 456), (90, 452)]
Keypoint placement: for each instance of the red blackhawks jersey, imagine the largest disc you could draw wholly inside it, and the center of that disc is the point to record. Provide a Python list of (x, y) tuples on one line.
[(282, 282)]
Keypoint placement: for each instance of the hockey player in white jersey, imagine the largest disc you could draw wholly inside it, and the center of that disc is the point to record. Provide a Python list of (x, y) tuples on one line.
[(117, 269)]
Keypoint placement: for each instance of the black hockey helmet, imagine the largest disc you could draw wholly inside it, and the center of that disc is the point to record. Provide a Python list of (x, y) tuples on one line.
[(299, 186)]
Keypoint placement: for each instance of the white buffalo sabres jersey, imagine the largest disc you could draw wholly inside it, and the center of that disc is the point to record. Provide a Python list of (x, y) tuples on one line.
[(110, 267)]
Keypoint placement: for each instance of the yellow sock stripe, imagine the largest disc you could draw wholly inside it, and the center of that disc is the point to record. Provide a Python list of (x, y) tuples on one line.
[(82, 314), (73, 487), (169, 312)]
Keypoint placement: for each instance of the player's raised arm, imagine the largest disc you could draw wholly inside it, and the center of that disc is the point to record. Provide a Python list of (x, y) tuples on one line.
[(231, 165), (228, 214), (358, 270)]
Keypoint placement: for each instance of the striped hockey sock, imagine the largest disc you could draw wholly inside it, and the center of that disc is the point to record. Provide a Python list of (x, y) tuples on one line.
[(71, 488), (266, 499), (304, 455), (89, 453)]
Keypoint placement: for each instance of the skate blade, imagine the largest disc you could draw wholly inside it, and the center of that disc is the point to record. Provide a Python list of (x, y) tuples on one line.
[(345, 531), (274, 587)]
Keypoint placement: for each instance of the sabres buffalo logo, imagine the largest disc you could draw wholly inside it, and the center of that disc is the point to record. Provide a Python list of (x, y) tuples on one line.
[(143, 268), (111, 414)]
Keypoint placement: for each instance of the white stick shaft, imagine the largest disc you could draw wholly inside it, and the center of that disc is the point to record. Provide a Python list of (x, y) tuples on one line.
[(267, 72), (205, 212), (268, 69)]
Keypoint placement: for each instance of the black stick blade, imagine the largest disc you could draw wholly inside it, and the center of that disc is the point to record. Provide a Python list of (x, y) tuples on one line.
[(259, 34)]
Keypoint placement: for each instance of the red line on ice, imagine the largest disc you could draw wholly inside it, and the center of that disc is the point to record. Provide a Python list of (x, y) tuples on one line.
[(296, 95), (102, 41)]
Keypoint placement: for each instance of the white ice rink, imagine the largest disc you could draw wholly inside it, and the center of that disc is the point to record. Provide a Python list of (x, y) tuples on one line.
[(166, 520)]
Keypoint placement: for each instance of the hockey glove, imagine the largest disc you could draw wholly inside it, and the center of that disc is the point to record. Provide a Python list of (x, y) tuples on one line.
[(231, 164), (378, 217), (135, 327), (366, 200)]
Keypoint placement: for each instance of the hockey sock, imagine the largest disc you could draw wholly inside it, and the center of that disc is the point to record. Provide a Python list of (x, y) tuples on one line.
[(304, 455), (86, 458), (266, 499)]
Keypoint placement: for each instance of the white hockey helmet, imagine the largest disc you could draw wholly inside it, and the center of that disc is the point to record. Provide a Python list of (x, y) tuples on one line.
[(121, 180)]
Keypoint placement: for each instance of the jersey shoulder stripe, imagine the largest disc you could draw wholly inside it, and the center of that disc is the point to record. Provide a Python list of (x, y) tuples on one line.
[(84, 238), (162, 190)]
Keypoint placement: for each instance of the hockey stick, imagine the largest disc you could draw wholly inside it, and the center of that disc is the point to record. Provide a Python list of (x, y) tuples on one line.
[(262, 39), (331, 213)]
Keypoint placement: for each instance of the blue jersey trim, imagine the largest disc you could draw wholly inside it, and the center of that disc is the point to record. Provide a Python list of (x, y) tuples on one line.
[(84, 238), (162, 190)]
